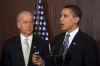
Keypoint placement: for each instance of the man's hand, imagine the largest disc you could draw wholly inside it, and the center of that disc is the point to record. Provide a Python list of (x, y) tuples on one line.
[(36, 59)]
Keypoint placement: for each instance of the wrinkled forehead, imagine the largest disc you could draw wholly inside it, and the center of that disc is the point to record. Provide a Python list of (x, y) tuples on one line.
[(25, 15)]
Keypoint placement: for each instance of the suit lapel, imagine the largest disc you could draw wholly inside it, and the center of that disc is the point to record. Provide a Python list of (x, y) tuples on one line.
[(75, 41), (20, 52), (19, 48), (74, 44), (34, 43), (59, 41)]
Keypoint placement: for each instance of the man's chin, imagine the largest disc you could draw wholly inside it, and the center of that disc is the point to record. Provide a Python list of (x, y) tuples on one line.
[(62, 28), (29, 33)]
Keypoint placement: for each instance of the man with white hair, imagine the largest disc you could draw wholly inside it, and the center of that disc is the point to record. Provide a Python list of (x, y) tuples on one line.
[(19, 50)]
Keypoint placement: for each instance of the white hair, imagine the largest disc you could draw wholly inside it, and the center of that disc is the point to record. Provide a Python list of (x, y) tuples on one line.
[(22, 13)]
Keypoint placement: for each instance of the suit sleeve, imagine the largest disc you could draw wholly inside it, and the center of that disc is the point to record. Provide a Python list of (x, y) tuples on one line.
[(5, 56), (91, 56)]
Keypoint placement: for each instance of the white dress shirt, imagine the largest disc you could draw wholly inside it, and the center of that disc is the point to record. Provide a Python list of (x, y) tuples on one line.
[(29, 39)]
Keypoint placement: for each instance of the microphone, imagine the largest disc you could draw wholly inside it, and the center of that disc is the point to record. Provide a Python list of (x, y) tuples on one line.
[(36, 50)]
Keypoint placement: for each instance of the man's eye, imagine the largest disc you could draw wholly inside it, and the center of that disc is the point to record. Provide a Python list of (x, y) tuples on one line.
[(58, 16), (25, 21), (65, 15)]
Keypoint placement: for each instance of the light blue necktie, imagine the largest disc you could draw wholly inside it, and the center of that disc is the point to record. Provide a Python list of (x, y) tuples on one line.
[(66, 42)]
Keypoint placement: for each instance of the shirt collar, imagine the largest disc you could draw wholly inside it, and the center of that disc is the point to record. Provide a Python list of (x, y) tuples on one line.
[(28, 37), (74, 32)]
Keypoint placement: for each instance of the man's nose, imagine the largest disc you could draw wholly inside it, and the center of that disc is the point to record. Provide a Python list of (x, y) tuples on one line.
[(61, 18)]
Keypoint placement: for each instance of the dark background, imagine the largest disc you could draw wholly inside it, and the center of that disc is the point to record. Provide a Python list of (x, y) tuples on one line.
[(90, 22)]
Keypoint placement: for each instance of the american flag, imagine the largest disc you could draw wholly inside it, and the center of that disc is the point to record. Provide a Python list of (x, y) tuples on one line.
[(40, 21)]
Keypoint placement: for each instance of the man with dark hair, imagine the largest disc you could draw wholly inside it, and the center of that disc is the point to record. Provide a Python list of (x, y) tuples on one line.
[(21, 50), (75, 10), (75, 47)]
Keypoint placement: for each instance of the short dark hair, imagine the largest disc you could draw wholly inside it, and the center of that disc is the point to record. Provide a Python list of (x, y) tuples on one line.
[(76, 11)]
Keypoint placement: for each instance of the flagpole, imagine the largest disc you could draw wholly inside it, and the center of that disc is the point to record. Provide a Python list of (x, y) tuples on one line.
[(45, 4), (36, 11)]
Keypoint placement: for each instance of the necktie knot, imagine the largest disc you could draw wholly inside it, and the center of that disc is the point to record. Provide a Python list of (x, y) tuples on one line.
[(26, 39), (26, 42), (66, 40), (68, 35)]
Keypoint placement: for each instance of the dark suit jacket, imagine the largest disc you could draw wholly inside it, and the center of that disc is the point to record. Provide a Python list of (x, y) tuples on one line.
[(82, 51), (12, 51)]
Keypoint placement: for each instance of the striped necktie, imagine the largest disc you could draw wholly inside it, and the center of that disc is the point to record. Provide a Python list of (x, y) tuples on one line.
[(66, 42)]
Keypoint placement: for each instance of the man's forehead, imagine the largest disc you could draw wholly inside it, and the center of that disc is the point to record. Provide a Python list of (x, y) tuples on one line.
[(66, 11), (28, 15)]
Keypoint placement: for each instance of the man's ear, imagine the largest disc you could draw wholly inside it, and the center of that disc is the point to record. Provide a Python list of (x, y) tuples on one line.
[(76, 19), (18, 25)]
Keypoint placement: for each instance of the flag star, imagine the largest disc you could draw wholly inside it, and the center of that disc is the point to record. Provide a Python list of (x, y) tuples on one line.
[(40, 1), (47, 33), (46, 38), (39, 28), (42, 12), (40, 23), (44, 23), (36, 22), (43, 33), (44, 28), (41, 17), (38, 12), (39, 7)]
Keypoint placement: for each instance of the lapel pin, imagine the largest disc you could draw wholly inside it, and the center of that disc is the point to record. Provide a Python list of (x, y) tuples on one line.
[(74, 43)]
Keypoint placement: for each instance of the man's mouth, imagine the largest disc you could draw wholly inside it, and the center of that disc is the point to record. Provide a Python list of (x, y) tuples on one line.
[(61, 24)]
